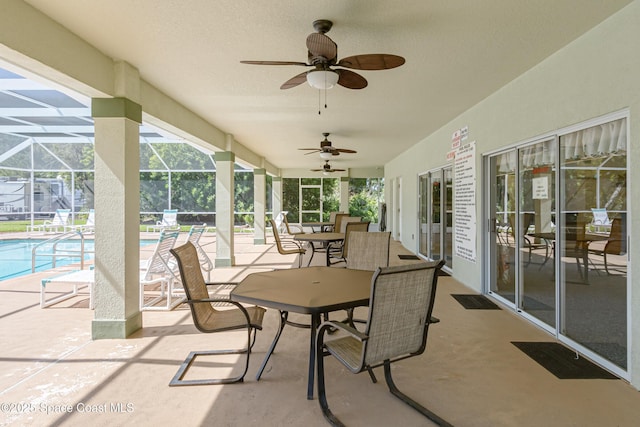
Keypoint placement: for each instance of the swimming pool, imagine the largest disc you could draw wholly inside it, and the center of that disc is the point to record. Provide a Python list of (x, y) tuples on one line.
[(15, 255)]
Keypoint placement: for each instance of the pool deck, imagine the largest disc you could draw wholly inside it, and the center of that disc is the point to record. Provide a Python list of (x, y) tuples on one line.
[(471, 374)]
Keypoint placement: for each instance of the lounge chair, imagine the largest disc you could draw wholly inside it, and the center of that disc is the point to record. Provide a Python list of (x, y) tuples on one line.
[(88, 227), (78, 279), (208, 320), (169, 221), (195, 233), (160, 269), (57, 225), (401, 302)]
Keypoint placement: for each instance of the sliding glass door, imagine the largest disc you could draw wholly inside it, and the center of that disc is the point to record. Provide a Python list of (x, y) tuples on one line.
[(557, 236), (436, 215)]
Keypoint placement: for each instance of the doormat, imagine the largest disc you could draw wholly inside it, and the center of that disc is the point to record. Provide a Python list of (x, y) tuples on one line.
[(475, 302), (561, 361), (408, 256)]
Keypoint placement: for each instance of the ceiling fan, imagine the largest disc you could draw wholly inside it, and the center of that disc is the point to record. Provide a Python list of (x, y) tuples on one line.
[(323, 55), (327, 168), (326, 150)]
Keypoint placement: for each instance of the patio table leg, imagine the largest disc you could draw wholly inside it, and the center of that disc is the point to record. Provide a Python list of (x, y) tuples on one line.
[(283, 321), (315, 321)]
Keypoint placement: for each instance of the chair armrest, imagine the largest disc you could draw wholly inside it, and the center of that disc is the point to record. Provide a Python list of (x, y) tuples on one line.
[(343, 327)]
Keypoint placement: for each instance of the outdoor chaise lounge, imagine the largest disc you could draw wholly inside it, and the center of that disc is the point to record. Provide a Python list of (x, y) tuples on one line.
[(56, 225), (169, 221)]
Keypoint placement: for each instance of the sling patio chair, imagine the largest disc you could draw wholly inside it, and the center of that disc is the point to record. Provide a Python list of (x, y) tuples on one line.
[(401, 303), (292, 229), (340, 250), (289, 247), (160, 269), (208, 319), (367, 251), (616, 245)]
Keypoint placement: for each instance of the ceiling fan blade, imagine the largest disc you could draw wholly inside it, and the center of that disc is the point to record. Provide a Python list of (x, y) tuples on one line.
[(304, 64), (310, 152), (345, 150), (314, 149), (294, 81), (316, 170), (351, 80), (321, 45), (373, 61), (336, 170)]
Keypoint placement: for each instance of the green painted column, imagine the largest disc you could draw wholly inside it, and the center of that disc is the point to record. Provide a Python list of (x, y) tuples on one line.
[(344, 194), (259, 205), (225, 161), (117, 211)]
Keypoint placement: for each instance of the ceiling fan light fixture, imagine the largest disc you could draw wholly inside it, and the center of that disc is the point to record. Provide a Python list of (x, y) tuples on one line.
[(326, 155), (322, 79)]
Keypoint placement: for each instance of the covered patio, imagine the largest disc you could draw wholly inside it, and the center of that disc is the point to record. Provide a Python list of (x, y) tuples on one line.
[(471, 373)]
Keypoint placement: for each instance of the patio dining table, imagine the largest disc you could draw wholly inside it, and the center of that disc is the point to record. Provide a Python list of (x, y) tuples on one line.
[(550, 238), (313, 291), (323, 226)]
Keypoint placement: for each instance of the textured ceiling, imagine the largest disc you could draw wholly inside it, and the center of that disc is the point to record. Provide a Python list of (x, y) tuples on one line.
[(457, 53)]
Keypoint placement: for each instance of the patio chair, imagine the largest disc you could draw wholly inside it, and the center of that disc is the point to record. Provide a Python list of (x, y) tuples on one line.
[(402, 300), (338, 221), (367, 251), (340, 250), (160, 269), (332, 219), (89, 225), (289, 247), (292, 229), (529, 242), (195, 233), (616, 243), (209, 320), (58, 224), (169, 221)]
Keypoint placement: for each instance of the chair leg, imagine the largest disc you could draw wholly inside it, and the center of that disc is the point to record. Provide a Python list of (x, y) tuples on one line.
[(177, 379), (406, 399), (322, 395)]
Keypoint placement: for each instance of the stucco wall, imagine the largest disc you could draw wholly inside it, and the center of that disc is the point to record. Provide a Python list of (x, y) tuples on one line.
[(597, 74)]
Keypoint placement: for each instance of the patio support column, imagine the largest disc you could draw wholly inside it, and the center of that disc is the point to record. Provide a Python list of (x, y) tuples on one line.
[(117, 207), (344, 194), (225, 161), (276, 196), (259, 204)]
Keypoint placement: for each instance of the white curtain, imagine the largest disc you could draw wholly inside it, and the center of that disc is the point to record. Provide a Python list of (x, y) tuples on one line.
[(596, 141)]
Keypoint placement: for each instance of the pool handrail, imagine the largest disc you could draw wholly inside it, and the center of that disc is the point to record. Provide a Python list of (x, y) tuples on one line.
[(62, 253)]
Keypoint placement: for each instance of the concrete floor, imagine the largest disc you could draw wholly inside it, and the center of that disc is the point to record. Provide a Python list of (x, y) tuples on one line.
[(52, 373)]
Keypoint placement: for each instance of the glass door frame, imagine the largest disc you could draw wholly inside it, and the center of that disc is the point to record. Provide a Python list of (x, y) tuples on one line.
[(490, 237), (425, 200)]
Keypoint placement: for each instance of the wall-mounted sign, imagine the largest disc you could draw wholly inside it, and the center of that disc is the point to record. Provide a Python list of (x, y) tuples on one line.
[(465, 202), (540, 188)]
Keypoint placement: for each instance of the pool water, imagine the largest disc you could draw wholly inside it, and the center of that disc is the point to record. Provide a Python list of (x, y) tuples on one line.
[(15, 255)]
